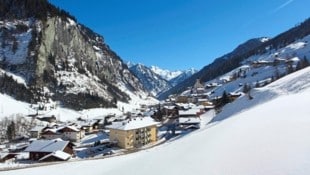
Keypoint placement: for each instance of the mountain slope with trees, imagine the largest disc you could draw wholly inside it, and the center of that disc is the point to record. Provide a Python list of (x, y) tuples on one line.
[(58, 59), (234, 59)]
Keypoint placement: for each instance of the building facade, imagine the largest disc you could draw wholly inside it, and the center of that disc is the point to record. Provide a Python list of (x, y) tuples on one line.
[(133, 133)]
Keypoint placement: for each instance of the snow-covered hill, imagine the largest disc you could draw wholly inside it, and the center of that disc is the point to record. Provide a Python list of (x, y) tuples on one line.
[(270, 137), (259, 70)]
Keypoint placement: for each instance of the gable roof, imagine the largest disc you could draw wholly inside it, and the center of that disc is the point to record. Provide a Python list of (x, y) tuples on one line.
[(189, 120), (189, 112), (58, 154), (47, 145), (72, 128)]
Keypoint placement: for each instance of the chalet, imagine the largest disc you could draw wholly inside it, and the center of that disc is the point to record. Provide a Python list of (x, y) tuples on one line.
[(134, 132), (71, 133), (171, 110), (8, 157), (189, 118), (36, 131), (51, 134), (39, 149), (182, 99), (56, 156), (90, 126)]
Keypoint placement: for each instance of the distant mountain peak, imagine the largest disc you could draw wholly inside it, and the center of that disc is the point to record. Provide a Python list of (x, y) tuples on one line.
[(166, 74)]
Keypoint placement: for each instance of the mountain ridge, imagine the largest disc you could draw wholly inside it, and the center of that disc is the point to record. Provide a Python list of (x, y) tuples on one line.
[(157, 80), (234, 59), (60, 59)]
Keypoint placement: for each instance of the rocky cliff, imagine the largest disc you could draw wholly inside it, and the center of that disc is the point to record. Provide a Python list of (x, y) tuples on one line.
[(54, 57)]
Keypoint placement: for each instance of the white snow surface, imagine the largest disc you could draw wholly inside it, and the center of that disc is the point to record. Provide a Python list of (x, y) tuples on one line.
[(166, 74), (271, 137), (9, 106)]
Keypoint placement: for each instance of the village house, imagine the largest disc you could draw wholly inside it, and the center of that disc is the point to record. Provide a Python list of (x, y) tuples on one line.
[(90, 126), (171, 110), (36, 131), (182, 99), (134, 132), (189, 118), (8, 157), (71, 133), (67, 132), (50, 150), (51, 134)]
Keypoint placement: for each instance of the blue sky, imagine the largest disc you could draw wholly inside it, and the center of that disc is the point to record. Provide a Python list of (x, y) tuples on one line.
[(180, 34)]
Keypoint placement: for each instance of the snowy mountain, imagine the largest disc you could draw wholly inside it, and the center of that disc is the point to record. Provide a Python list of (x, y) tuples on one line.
[(152, 82), (156, 80), (183, 76), (166, 74), (45, 54), (265, 135), (257, 48)]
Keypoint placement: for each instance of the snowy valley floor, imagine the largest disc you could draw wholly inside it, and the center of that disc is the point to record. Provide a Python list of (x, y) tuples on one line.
[(270, 137)]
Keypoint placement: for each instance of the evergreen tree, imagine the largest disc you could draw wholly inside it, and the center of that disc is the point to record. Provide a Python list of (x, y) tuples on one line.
[(11, 131), (305, 62), (246, 88), (225, 98)]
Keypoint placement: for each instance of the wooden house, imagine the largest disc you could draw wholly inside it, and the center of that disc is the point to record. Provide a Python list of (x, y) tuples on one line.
[(41, 148), (71, 133)]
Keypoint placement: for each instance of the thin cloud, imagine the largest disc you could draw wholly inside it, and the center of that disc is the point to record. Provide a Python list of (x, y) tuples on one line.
[(282, 6)]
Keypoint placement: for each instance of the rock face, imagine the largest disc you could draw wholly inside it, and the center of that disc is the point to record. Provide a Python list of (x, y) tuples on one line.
[(57, 58)]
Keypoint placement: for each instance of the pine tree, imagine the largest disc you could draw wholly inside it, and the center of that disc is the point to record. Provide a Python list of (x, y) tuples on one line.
[(305, 62), (11, 131), (225, 98)]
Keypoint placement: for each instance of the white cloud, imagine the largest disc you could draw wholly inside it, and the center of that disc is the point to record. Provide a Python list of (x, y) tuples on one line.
[(282, 6)]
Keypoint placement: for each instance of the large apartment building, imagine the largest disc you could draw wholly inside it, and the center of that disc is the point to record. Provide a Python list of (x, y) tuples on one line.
[(133, 133)]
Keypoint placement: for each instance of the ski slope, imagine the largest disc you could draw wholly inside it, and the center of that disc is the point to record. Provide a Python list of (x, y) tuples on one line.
[(269, 137)]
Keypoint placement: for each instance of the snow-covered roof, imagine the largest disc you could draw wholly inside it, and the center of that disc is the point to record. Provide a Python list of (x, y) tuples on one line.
[(58, 154), (189, 120), (189, 112), (47, 145), (203, 100), (73, 128), (169, 107), (295, 59), (54, 131), (135, 123), (37, 128)]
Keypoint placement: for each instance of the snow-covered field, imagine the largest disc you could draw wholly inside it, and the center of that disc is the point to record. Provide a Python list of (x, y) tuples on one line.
[(11, 107), (271, 137)]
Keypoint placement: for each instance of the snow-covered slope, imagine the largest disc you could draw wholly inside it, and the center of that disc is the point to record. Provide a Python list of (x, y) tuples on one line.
[(269, 138), (259, 70)]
